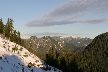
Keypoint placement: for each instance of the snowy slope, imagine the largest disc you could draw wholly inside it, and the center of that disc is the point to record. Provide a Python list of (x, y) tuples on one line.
[(18, 60)]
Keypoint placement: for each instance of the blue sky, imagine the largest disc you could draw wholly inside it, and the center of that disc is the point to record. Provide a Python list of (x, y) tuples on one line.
[(57, 17)]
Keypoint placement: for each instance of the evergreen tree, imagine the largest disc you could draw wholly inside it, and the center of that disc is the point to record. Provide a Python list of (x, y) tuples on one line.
[(23, 43), (1, 27), (9, 33), (51, 57), (15, 36), (31, 47), (9, 28), (19, 38)]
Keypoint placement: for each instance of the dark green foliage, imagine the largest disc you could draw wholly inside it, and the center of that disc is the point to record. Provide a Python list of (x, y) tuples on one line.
[(94, 58), (14, 49), (1, 27), (25, 55), (62, 60), (9, 32), (9, 28), (40, 55), (51, 57), (22, 43), (19, 38), (14, 36), (31, 48)]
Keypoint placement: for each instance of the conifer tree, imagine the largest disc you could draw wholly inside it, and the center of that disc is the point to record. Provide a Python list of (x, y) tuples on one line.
[(51, 57), (9, 28), (19, 38), (31, 48), (23, 43), (14, 36), (1, 27)]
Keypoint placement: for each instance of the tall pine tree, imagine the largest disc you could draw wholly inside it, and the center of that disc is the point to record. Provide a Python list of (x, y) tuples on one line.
[(1, 27), (9, 28), (18, 37)]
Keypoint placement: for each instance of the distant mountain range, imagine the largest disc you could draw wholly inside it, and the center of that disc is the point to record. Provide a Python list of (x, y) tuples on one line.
[(42, 45), (77, 41)]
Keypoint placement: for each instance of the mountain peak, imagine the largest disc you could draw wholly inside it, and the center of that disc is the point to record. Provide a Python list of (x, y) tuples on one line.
[(68, 36)]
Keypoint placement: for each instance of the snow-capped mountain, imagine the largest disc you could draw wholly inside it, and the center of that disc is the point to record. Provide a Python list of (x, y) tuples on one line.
[(77, 41), (15, 58), (42, 45), (25, 36)]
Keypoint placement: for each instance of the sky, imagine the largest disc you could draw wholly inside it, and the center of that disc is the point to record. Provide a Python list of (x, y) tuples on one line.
[(82, 18)]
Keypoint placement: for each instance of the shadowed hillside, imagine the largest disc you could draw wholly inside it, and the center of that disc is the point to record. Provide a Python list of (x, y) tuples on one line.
[(94, 58)]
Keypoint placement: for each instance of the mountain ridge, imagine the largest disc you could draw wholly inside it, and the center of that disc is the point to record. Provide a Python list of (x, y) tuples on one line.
[(14, 58), (95, 55)]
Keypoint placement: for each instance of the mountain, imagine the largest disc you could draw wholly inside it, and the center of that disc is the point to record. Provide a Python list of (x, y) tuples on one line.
[(77, 41), (42, 45), (15, 58), (94, 58)]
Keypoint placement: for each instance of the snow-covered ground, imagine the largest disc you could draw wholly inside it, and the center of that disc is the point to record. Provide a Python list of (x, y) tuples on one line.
[(15, 58)]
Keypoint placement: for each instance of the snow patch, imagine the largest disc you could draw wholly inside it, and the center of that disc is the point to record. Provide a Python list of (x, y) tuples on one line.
[(15, 58)]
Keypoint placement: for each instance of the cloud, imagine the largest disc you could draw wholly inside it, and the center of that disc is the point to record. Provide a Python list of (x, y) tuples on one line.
[(51, 34), (47, 34), (69, 12), (25, 36), (95, 21)]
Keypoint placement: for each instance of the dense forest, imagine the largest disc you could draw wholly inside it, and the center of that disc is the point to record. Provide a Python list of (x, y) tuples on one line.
[(94, 57)]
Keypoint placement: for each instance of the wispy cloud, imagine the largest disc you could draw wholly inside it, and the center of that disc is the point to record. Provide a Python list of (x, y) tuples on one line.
[(68, 12), (52, 34), (25, 36), (46, 34), (95, 21)]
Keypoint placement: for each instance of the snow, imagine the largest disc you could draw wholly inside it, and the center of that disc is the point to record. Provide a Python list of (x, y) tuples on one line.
[(11, 61), (68, 36), (25, 36), (79, 42)]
